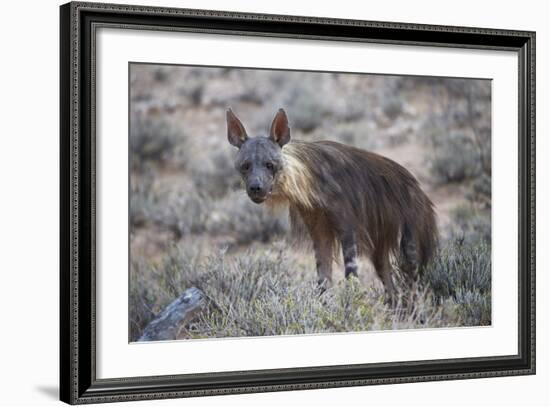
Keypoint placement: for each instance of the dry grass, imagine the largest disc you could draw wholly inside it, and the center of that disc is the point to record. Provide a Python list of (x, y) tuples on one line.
[(261, 292), (192, 225)]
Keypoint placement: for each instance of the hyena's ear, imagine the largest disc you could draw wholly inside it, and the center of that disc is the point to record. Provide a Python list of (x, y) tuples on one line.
[(280, 132), (236, 134)]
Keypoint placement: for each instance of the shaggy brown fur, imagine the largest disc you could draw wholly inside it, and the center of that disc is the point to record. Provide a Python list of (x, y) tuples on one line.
[(351, 200)]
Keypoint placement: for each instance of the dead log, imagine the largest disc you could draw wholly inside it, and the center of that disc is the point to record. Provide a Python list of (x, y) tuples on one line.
[(167, 324)]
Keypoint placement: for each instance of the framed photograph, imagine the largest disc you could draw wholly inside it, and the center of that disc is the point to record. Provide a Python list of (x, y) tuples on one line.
[(255, 203)]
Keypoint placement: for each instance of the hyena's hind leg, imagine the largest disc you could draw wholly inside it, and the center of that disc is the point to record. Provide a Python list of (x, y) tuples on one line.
[(408, 256), (349, 252), (408, 263), (382, 265)]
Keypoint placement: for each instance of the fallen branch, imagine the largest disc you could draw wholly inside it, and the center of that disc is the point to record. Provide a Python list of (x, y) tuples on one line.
[(180, 311)]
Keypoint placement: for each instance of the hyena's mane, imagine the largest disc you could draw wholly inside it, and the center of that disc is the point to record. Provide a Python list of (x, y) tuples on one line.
[(332, 186)]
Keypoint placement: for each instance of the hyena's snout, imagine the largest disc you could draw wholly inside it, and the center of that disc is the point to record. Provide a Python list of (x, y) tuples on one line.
[(258, 191)]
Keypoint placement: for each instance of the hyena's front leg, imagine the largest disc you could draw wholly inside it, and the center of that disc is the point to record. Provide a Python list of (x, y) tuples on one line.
[(323, 258), (349, 251), (321, 235)]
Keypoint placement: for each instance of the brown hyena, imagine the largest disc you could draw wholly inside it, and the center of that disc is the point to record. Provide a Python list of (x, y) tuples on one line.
[(343, 197)]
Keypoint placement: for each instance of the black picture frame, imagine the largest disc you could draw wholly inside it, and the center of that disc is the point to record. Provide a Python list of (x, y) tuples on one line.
[(78, 382)]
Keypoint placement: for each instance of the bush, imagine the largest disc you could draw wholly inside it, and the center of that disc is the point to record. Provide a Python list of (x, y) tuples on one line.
[(142, 296), (471, 225), (246, 222), (153, 287), (392, 107), (460, 277), (181, 213), (216, 177), (456, 157), (234, 217), (306, 109), (473, 308), (481, 191), (461, 137), (151, 140), (141, 204), (262, 292)]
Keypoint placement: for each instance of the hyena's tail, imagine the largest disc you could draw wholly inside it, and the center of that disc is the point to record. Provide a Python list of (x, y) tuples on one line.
[(419, 241), (427, 240)]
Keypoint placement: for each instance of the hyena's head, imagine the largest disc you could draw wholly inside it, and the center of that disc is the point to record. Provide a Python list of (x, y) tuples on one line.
[(259, 159)]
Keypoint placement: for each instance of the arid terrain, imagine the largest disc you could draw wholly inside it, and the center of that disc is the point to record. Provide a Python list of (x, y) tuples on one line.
[(191, 224)]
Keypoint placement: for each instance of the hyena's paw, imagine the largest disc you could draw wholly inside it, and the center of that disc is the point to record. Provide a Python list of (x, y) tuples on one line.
[(322, 285), (390, 299)]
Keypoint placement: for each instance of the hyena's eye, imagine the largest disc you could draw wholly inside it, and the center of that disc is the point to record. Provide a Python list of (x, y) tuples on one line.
[(245, 167), (269, 166)]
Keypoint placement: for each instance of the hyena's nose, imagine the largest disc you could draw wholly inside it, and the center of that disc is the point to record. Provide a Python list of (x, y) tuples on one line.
[(256, 192), (255, 188)]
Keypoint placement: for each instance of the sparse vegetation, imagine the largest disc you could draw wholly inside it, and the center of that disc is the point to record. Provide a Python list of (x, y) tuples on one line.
[(460, 275), (308, 109), (471, 225), (257, 293), (234, 216), (185, 192), (151, 140), (392, 107), (461, 136), (217, 178), (456, 157), (169, 209)]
